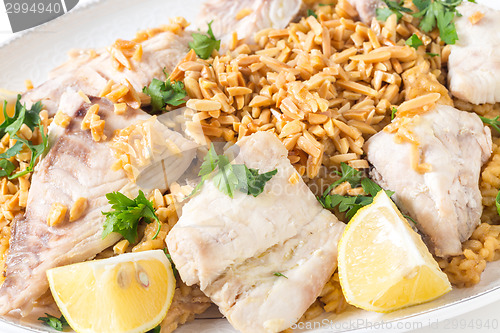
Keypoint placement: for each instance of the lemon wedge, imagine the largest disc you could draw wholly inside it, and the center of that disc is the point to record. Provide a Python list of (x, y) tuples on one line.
[(11, 98), (128, 293), (383, 264)]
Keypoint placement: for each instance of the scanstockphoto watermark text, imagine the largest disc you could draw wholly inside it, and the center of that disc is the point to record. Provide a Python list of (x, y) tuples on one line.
[(395, 326)]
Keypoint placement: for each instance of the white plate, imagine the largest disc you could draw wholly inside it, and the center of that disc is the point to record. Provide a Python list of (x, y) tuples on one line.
[(34, 53)]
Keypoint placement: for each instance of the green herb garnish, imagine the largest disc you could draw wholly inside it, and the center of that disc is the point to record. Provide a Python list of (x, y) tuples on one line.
[(497, 202), (409, 218), (440, 13), (280, 274), (126, 214), (432, 54), (174, 269), (393, 112), (231, 177), (414, 42), (56, 323), (11, 125), (351, 204), (311, 12), (157, 329), (434, 13), (205, 44), (22, 115), (393, 7), (347, 173), (495, 123), (165, 93)]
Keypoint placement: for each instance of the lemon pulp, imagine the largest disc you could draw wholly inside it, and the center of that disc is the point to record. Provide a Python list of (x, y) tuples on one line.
[(383, 264), (128, 293)]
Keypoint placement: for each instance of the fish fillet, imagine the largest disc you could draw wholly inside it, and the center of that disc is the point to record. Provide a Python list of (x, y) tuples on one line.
[(83, 72), (235, 247), (474, 61), (246, 17), (445, 202), (75, 166)]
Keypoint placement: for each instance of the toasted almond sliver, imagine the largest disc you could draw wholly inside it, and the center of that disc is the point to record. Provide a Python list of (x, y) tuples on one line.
[(120, 108), (62, 119), (203, 105), (56, 214), (238, 91), (84, 96), (78, 209), (243, 13)]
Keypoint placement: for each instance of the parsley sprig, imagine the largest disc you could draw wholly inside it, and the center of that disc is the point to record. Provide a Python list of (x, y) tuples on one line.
[(497, 202), (174, 269), (495, 123), (394, 111), (414, 42), (434, 13), (56, 323), (393, 7), (157, 329), (350, 204), (440, 13), (229, 178), (126, 214), (311, 12), (204, 44), (165, 93), (11, 125)]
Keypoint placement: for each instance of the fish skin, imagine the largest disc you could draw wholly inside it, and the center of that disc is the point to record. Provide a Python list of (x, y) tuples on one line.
[(90, 75), (233, 246), (76, 166)]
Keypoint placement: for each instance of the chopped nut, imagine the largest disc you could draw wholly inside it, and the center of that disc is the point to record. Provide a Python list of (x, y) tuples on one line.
[(28, 84), (88, 117), (62, 119), (243, 13), (25, 132), (56, 214), (294, 179), (97, 128), (121, 246), (78, 209), (476, 17), (120, 108), (84, 97), (203, 105)]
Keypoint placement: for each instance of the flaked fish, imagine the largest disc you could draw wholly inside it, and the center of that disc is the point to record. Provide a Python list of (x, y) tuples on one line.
[(249, 254)]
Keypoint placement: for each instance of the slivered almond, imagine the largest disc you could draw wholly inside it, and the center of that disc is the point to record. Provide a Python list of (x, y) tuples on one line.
[(62, 119), (243, 13), (56, 214), (78, 209), (476, 17), (203, 105), (84, 96), (238, 91)]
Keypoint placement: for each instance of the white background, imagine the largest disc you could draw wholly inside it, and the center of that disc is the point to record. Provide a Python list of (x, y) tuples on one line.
[(491, 312)]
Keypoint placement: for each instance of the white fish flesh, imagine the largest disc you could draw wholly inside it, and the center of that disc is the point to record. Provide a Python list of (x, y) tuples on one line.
[(236, 248), (474, 61), (83, 72), (246, 17), (445, 202)]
